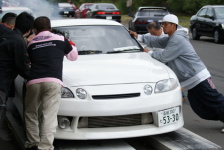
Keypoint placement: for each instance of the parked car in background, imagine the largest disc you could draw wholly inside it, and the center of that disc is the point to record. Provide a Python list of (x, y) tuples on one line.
[(16, 10), (66, 9), (208, 21), (145, 15), (104, 11), (114, 89), (81, 11)]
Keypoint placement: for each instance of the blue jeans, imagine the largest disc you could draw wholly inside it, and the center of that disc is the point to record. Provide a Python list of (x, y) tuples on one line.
[(206, 101)]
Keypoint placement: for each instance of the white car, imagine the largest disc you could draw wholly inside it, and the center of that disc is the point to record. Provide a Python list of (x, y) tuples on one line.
[(16, 10), (114, 89)]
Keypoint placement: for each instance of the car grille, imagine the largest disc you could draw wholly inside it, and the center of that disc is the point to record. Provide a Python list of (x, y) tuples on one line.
[(117, 96), (118, 121)]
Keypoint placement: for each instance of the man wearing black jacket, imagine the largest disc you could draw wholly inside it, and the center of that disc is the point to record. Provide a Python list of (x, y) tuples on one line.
[(13, 61)]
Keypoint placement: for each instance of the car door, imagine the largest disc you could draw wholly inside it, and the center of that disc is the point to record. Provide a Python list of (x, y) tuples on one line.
[(209, 22), (89, 13), (199, 22)]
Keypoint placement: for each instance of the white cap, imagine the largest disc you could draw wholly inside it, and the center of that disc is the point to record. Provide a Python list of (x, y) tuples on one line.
[(170, 18)]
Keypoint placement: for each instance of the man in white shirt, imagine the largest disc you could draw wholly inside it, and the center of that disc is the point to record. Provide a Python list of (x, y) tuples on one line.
[(154, 28)]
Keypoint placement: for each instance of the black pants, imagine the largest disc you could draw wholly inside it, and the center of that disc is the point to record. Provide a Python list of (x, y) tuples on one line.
[(5, 132), (206, 101)]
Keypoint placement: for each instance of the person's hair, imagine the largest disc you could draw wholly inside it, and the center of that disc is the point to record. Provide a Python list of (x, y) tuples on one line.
[(42, 23), (154, 25), (24, 22), (9, 18)]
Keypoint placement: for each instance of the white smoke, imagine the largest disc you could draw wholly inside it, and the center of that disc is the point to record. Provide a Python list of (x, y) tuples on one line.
[(40, 7)]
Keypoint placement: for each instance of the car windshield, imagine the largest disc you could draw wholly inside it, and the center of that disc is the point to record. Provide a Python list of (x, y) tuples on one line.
[(100, 39), (219, 11), (152, 12)]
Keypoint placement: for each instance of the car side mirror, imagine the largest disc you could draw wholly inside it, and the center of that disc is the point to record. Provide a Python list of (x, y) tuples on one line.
[(210, 17)]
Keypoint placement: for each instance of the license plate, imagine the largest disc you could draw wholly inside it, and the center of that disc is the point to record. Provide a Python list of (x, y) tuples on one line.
[(168, 116), (65, 12), (109, 17)]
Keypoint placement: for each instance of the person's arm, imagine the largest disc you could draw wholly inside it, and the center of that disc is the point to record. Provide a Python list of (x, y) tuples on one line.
[(21, 58), (172, 51), (71, 50)]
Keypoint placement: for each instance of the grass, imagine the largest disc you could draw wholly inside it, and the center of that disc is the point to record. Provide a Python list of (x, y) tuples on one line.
[(125, 18), (183, 20)]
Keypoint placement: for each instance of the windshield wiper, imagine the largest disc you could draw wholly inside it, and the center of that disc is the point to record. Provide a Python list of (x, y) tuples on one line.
[(124, 51), (86, 52)]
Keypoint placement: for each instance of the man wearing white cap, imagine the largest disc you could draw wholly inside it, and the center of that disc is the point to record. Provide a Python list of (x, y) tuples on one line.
[(180, 56)]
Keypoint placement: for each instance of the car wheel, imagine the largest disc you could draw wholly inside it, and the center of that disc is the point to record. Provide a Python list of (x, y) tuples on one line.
[(195, 35), (217, 37)]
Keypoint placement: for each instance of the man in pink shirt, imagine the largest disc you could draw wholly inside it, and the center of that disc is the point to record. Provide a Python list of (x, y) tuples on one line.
[(46, 51)]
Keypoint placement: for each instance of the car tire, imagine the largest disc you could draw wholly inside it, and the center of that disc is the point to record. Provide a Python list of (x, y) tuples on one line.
[(195, 35), (217, 37)]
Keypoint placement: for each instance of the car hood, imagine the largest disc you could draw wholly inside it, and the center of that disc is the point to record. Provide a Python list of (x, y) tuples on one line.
[(113, 69), (221, 20)]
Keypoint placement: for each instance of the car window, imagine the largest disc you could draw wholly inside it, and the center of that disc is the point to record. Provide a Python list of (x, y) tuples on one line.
[(209, 13), (87, 6), (102, 39), (219, 11), (104, 7), (152, 12), (202, 12)]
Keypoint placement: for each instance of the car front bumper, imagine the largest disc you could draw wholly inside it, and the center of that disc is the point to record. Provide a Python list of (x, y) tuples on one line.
[(109, 17), (144, 104)]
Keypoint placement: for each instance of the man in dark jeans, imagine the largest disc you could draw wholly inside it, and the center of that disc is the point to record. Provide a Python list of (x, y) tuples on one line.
[(13, 61), (180, 56)]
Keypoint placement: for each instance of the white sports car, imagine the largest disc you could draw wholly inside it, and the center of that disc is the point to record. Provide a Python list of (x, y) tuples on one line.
[(114, 89)]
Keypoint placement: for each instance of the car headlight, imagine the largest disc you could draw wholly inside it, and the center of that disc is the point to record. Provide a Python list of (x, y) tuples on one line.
[(147, 89), (165, 85), (66, 93), (222, 26), (81, 93)]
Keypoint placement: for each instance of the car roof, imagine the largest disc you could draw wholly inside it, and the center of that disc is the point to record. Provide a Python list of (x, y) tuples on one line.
[(76, 22), (64, 5), (103, 4), (213, 6), (151, 7), (15, 8)]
